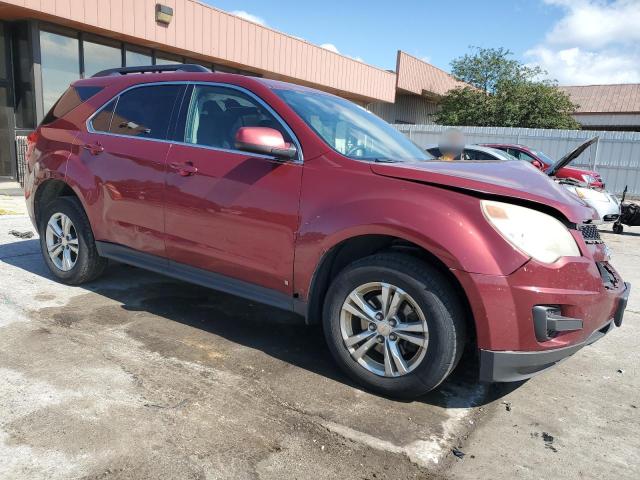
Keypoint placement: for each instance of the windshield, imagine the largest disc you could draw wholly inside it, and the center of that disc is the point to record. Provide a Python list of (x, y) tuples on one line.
[(351, 130), (544, 157)]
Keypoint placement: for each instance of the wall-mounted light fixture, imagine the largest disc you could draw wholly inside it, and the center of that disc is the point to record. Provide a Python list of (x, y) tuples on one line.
[(164, 14)]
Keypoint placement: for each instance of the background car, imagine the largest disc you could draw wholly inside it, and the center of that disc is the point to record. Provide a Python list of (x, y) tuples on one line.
[(543, 161), (475, 152)]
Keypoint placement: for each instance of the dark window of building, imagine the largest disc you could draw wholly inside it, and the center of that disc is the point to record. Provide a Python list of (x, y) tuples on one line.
[(60, 57), (100, 56), (216, 114), (102, 121), (145, 111), (23, 83), (73, 97), (135, 57)]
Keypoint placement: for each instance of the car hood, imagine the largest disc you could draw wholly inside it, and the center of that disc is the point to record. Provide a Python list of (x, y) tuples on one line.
[(570, 157), (503, 178)]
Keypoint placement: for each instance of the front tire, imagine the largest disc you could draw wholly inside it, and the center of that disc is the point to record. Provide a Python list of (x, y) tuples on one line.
[(394, 324), (67, 242)]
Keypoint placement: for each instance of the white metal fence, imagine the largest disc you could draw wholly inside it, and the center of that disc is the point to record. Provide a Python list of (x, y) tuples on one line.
[(616, 155)]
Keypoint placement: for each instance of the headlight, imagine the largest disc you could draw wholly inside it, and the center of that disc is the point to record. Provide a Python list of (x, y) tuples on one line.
[(591, 194), (589, 178), (536, 234)]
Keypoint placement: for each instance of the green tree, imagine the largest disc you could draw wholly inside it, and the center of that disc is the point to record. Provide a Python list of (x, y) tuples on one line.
[(503, 92)]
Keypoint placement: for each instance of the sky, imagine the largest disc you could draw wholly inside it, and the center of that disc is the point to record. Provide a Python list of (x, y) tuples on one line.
[(579, 42)]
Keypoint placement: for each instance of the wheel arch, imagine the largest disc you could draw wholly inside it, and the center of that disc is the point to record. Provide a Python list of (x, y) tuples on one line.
[(355, 248)]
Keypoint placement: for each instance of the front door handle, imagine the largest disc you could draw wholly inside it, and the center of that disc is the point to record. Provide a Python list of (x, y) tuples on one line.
[(185, 169), (93, 148)]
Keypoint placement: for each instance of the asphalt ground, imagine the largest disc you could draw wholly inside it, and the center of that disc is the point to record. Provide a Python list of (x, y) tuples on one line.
[(139, 376)]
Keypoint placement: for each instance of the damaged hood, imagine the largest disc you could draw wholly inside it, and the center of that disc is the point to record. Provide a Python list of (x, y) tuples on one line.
[(570, 157), (504, 178)]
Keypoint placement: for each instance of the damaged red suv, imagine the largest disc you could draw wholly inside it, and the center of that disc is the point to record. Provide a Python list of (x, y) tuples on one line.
[(302, 200)]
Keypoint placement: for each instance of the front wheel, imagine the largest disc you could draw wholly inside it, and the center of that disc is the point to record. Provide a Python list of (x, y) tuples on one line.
[(394, 324)]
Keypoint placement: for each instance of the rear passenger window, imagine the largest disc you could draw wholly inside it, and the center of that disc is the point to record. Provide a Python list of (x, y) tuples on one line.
[(216, 114), (145, 111)]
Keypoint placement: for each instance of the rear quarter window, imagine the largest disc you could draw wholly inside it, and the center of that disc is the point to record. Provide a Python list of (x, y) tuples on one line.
[(69, 100)]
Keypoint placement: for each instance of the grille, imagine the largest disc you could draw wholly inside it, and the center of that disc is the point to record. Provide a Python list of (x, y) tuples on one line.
[(590, 233)]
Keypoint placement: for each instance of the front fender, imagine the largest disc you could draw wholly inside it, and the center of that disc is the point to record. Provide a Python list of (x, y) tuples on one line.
[(447, 224)]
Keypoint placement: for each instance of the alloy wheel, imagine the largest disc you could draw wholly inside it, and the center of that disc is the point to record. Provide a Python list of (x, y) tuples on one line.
[(62, 242), (384, 329)]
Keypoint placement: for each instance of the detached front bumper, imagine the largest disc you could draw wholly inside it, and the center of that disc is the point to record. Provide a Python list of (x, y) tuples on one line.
[(513, 366)]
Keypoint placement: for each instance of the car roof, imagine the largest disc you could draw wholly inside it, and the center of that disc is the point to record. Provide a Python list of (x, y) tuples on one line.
[(480, 148), (131, 79)]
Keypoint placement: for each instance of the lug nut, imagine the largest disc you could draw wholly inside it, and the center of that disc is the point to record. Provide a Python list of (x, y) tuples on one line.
[(379, 316), (372, 326), (393, 337), (380, 339), (393, 322)]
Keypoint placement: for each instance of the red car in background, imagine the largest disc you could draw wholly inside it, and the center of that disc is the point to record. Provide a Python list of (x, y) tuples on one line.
[(542, 161)]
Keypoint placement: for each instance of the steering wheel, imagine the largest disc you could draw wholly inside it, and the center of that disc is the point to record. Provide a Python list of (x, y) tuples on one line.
[(353, 150)]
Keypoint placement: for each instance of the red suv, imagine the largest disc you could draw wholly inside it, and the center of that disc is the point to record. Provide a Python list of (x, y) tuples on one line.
[(543, 162), (305, 201)]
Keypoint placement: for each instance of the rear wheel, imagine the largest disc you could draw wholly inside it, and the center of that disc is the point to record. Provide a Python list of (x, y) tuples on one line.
[(617, 228), (394, 324), (67, 242)]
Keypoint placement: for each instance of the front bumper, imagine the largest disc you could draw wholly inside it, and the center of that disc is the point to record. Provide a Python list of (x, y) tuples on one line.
[(513, 366)]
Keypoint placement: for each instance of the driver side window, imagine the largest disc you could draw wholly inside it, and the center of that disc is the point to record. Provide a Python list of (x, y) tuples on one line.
[(217, 113)]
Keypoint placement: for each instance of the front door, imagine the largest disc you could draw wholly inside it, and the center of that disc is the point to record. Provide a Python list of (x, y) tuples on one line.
[(125, 149), (227, 211), (7, 133)]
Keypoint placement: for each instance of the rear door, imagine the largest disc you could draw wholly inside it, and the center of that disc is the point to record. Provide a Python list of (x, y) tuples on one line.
[(227, 211), (125, 150)]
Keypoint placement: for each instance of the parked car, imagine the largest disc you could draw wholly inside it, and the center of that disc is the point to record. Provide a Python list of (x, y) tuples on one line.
[(474, 152), (305, 201), (542, 161)]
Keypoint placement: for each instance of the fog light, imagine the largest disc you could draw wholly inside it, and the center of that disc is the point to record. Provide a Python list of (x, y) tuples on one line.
[(548, 322)]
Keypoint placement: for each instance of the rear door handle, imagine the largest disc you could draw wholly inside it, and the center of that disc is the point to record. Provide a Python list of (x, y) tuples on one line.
[(93, 148), (185, 169)]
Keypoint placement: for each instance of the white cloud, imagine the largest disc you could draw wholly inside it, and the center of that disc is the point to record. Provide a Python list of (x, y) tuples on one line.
[(596, 24), (330, 46), (594, 42), (249, 16)]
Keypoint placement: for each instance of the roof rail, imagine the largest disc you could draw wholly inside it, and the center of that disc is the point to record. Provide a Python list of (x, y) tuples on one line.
[(187, 67)]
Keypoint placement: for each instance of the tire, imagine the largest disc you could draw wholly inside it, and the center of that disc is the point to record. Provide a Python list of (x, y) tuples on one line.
[(85, 264), (430, 291), (617, 228)]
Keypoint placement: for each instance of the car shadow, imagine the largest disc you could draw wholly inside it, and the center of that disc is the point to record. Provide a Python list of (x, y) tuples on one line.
[(277, 333)]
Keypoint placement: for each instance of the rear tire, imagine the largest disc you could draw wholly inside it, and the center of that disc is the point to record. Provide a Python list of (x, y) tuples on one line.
[(67, 242), (429, 326), (617, 228)]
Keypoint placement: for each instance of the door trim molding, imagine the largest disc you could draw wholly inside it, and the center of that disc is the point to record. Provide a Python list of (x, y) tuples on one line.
[(198, 276)]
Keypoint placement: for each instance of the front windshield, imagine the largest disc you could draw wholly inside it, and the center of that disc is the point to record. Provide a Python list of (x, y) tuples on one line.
[(351, 130), (544, 157)]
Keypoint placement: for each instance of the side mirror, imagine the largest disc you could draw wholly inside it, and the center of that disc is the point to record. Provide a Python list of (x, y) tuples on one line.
[(266, 141), (537, 164)]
